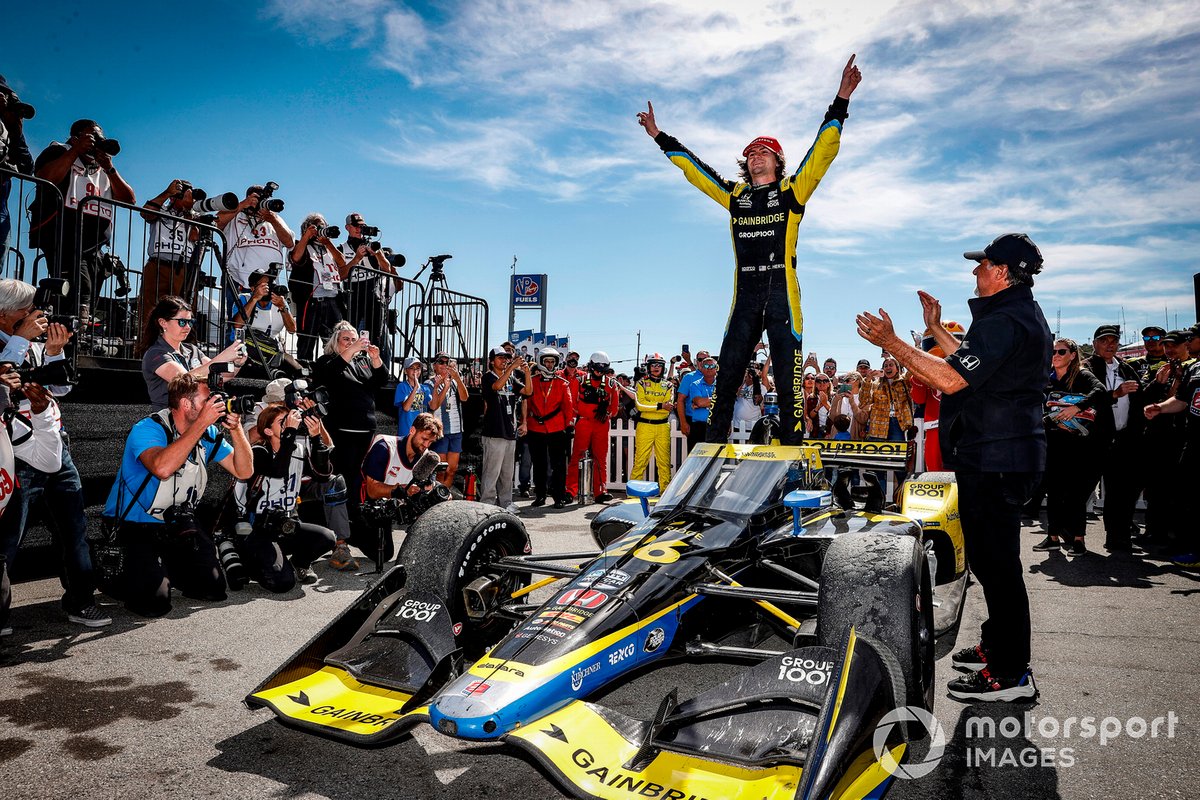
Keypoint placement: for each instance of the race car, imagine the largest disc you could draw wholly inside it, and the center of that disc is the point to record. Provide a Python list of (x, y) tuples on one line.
[(752, 553)]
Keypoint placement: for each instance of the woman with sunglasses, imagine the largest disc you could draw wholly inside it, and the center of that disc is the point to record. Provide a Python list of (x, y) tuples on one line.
[(1069, 477), (818, 406), (167, 352)]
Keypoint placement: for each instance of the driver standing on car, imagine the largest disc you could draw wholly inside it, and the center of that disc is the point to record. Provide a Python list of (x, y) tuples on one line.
[(993, 439)]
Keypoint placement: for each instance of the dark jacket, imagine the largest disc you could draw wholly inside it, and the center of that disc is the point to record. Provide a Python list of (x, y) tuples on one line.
[(1106, 426)]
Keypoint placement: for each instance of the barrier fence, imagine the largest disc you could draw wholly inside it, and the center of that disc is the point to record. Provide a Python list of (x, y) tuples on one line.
[(120, 259)]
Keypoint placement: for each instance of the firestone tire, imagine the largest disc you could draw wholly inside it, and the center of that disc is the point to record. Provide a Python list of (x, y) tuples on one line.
[(449, 546), (879, 582)]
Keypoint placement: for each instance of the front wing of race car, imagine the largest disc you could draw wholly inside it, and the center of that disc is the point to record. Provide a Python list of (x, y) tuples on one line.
[(799, 725)]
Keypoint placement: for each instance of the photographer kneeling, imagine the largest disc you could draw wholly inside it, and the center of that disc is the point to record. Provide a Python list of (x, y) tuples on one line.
[(281, 462), (388, 472), (164, 471)]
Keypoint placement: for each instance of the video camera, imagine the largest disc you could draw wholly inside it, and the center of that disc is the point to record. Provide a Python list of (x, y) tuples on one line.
[(299, 390), (48, 291), (266, 200), (403, 507)]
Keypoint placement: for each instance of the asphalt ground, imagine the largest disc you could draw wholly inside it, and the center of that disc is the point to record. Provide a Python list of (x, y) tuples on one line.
[(152, 708)]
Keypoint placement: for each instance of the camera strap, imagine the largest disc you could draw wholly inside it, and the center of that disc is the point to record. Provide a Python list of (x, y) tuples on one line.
[(10, 414)]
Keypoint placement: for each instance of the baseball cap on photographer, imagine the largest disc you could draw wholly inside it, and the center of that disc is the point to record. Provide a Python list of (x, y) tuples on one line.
[(354, 218), (768, 142), (275, 390), (1015, 250)]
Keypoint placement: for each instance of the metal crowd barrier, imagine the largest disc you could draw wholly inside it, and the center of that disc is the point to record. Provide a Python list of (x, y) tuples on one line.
[(123, 294), (18, 258), (451, 322)]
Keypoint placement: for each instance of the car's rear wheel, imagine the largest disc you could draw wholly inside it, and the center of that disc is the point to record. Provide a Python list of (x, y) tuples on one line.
[(879, 583), (449, 548)]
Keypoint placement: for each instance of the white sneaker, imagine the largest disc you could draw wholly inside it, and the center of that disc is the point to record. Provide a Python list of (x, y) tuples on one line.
[(512, 509)]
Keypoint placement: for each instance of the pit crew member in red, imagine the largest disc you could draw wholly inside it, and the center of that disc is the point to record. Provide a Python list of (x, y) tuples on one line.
[(598, 398), (765, 209), (549, 410)]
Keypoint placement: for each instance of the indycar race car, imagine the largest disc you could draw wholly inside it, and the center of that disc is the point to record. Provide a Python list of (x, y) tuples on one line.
[(752, 553)]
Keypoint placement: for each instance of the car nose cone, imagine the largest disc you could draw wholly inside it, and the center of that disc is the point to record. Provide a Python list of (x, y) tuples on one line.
[(470, 717)]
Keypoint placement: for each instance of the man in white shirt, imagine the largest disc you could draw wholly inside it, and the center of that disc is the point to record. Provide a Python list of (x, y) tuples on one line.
[(256, 237)]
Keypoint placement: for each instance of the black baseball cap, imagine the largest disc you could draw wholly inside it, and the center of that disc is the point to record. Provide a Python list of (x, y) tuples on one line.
[(1015, 250), (1177, 337), (862, 362), (1107, 330), (1152, 329)]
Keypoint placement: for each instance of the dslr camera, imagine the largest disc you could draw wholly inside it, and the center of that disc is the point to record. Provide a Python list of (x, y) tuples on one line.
[(277, 288), (180, 519), (203, 204), (276, 523), (267, 200), (10, 102), (49, 290), (298, 390)]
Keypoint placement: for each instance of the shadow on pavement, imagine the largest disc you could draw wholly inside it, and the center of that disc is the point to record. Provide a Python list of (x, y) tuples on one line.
[(982, 761), (1100, 569), (426, 766)]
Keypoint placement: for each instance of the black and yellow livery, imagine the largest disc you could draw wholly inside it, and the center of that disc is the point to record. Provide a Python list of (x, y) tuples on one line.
[(764, 223), (745, 556)]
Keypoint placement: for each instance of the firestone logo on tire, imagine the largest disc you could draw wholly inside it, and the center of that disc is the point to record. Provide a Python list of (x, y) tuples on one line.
[(937, 742)]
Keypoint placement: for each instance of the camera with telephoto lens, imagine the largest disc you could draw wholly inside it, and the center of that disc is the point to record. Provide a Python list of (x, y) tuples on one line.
[(266, 200), (48, 291), (13, 103), (231, 563), (181, 519), (110, 147), (211, 205), (328, 231), (368, 231), (55, 373), (240, 405), (276, 523), (298, 390)]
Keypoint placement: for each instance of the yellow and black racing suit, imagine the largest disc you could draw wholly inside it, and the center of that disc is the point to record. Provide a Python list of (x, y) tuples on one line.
[(764, 222), (653, 432)]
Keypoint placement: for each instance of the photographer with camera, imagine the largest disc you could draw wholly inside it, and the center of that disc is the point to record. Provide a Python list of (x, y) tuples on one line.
[(81, 168), (151, 508), (502, 393), (318, 270), (257, 238), (167, 352), (170, 245), (388, 472), (447, 392), (283, 459), (352, 371), (367, 292), (265, 316), (44, 467), (14, 152)]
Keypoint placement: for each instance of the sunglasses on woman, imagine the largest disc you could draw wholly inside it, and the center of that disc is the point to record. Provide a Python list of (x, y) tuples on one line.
[(184, 322), (1062, 351)]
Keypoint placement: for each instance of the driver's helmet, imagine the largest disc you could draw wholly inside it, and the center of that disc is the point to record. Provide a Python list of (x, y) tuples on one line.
[(655, 358), (599, 362), (930, 345), (552, 355)]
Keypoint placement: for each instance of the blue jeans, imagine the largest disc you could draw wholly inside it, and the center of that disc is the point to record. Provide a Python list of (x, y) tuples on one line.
[(65, 519)]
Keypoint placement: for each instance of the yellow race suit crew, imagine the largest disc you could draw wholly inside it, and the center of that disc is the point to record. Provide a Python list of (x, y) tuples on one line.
[(655, 398)]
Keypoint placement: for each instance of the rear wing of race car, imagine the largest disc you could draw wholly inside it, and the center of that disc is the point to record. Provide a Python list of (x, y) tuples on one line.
[(885, 456)]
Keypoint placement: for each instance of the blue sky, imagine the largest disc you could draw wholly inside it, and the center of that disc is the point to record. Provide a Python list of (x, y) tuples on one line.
[(493, 129)]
